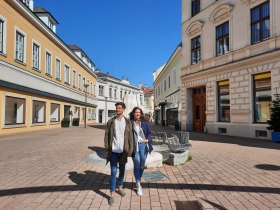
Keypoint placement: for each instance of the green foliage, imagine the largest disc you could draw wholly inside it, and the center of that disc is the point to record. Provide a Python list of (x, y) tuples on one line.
[(274, 121), (190, 157), (76, 122), (65, 122)]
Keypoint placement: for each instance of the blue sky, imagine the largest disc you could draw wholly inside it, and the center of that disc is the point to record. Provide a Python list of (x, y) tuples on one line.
[(129, 38)]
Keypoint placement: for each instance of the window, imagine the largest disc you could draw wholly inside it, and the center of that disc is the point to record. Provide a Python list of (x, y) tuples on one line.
[(55, 112), (115, 93), (36, 54), (50, 24), (84, 82), (262, 97), (169, 81), (91, 89), (14, 111), (89, 114), (101, 90), (111, 113), (164, 85), (74, 78), (223, 101), (39, 112), (195, 7), (57, 70), (79, 81), (48, 63), (260, 26), (67, 74), (88, 90), (110, 92), (222, 38), (19, 47), (1, 36), (121, 95), (195, 50)]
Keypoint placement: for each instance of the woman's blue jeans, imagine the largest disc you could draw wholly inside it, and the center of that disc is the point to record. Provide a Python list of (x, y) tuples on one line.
[(114, 167), (139, 161)]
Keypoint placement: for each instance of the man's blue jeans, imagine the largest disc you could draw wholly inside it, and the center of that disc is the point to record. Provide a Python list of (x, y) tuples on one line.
[(139, 161), (114, 167)]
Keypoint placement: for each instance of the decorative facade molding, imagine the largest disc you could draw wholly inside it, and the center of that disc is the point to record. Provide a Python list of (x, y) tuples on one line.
[(220, 13), (194, 28), (249, 2)]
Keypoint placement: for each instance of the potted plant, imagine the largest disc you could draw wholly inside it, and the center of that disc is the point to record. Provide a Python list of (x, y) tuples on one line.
[(274, 121), (76, 122), (65, 122)]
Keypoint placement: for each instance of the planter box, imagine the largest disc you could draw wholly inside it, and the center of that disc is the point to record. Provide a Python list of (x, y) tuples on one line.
[(275, 137)]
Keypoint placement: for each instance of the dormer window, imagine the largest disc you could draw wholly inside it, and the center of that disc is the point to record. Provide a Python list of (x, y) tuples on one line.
[(27, 2), (50, 24)]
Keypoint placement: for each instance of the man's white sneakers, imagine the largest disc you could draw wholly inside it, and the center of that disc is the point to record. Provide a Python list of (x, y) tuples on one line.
[(139, 191)]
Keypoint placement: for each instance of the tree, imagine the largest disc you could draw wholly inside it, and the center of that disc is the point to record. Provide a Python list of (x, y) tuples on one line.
[(274, 121)]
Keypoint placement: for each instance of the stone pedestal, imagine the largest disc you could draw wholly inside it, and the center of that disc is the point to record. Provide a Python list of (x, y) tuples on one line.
[(154, 160), (179, 158)]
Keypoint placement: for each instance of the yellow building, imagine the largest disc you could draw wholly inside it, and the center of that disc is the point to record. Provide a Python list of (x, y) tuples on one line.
[(42, 80)]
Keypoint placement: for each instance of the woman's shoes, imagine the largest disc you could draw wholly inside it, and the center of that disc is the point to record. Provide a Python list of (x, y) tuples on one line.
[(139, 191)]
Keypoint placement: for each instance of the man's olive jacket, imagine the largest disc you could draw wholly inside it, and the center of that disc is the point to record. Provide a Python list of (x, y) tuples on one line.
[(128, 140)]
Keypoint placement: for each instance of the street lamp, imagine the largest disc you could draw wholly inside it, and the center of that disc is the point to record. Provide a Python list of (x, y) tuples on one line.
[(85, 117), (106, 108)]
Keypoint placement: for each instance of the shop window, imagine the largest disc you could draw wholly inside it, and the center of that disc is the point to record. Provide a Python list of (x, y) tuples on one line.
[(262, 97), (223, 101), (55, 112), (39, 112), (14, 111)]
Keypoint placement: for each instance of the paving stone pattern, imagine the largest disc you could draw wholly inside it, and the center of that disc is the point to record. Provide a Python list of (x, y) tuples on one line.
[(45, 170)]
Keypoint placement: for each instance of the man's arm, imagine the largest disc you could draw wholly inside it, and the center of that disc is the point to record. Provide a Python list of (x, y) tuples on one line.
[(106, 137)]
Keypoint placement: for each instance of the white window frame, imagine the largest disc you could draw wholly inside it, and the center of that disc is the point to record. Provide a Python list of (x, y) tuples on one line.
[(65, 81), (34, 42), (4, 35), (46, 63), (17, 30), (56, 72), (74, 78)]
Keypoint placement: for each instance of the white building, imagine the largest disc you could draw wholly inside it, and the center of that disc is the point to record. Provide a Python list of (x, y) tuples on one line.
[(230, 65), (167, 86), (110, 90)]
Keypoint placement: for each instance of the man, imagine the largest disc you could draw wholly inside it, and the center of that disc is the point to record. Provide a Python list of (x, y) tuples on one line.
[(118, 143)]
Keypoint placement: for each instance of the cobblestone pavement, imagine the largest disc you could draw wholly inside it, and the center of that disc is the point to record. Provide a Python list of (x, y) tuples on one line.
[(44, 170)]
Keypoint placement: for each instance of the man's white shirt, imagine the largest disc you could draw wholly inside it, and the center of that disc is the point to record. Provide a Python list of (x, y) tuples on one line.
[(118, 141)]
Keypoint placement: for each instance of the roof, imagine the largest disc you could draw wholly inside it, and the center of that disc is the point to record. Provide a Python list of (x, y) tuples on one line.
[(99, 74), (40, 10), (74, 47), (147, 90)]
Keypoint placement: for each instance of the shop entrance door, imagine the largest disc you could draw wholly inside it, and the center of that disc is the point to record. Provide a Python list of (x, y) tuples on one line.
[(199, 108)]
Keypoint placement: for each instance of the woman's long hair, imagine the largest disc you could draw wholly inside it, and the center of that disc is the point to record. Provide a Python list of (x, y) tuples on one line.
[(131, 114)]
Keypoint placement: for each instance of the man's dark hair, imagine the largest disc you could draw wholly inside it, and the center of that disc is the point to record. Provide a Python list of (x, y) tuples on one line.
[(120, 104)]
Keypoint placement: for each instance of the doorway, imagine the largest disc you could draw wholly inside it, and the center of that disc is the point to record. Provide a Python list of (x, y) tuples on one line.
[(100, 114), (199, 108)]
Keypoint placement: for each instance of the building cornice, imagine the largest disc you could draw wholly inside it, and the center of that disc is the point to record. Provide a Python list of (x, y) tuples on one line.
[(25, 11), (239, 64)]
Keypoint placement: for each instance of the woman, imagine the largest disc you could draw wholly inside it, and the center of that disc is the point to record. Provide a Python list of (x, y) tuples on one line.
[(142, 144)]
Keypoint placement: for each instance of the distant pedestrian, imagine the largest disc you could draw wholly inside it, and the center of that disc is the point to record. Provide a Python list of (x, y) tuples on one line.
[(142, 144), (118, 143)]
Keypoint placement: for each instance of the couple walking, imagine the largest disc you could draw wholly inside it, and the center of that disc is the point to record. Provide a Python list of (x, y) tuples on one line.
[(127, 138)]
